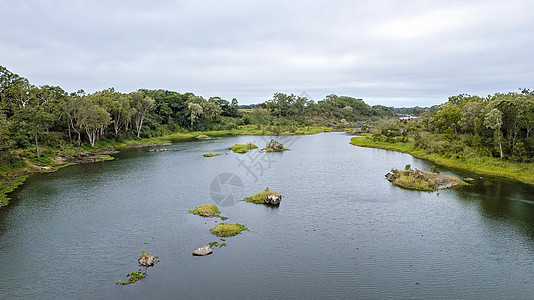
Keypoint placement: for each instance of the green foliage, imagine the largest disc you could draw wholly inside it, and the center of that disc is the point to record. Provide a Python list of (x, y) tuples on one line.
[(422, 181), (205, 210), (259, 198), (412, 183), (133, 277), (274, 146), (223, 229), (242, 148), (209, 154)]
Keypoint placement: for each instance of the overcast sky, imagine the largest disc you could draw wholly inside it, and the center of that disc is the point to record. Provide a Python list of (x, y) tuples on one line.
[(396, 53)]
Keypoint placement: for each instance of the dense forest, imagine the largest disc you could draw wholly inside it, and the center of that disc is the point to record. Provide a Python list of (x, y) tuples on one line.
[(48, 116), (500, 125)]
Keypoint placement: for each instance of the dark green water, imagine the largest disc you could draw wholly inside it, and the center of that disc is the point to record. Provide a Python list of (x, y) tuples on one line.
[(342, 230)]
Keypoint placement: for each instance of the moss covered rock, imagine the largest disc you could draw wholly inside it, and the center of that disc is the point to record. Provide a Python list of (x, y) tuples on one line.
[(224, 229), (268, 196), (242, 148)]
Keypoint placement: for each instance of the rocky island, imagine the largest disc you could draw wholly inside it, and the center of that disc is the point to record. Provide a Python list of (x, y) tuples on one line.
[(415, 179)]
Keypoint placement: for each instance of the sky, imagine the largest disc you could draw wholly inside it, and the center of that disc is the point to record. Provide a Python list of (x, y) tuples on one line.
[(395, 53)]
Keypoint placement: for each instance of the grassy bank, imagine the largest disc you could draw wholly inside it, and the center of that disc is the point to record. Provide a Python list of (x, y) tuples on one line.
[(522, 172)]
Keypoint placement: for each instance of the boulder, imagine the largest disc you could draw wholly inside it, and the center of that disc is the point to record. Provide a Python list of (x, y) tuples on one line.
[(203, 251), (146, 260), (273, 199)]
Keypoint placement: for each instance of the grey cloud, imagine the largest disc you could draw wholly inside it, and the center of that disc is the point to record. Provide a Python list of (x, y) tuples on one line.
[(387, 52)]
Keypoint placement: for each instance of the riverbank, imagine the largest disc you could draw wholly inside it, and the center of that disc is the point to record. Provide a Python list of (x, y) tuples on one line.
[(24, 163), (497, 167)]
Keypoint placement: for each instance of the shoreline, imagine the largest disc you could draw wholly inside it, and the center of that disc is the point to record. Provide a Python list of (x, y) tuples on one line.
[(488, 166), (16, 177)]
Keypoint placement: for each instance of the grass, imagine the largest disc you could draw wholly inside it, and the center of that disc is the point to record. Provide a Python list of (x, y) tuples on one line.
[(274, 146), (10, 186), (523, 172), (223, 229), (210, 154), (205, 210), (133, 277), (242, 148), (259, 198), (412, 183)]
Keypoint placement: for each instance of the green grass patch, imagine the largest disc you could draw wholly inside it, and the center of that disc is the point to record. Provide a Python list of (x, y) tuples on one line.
[(224, 229), (209, 154), (133, 277), (205, 210), (274, 146), (260, 197), (412, 183), (242, 148), (9, 186)]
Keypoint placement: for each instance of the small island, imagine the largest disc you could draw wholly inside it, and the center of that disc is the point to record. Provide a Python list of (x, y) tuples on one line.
[(223, 229), (274, 146), (207, 210), (210, 154), (242, 148), (415, 179), (268, 197)]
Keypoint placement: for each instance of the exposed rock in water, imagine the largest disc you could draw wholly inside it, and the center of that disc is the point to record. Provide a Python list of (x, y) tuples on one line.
[(146, 260), (273, 199), (422, 180), (203, 251), (160, 150), (268, 197), (274, 146)]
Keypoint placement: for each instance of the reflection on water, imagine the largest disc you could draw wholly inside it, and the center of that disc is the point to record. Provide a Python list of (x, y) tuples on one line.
[(341, 231)]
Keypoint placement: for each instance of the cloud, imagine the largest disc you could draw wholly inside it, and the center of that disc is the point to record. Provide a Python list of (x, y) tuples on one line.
[(387, 52)]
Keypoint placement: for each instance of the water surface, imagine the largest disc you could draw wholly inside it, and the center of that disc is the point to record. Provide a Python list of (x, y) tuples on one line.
[(341, 231)]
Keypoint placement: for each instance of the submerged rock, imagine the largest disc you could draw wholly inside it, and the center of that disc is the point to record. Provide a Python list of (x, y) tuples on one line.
[(203, 251)]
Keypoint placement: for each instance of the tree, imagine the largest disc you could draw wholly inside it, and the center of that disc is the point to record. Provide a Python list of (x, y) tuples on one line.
[(95, 118), (493, 120), (142, 105), (195, 112), (447, 116)]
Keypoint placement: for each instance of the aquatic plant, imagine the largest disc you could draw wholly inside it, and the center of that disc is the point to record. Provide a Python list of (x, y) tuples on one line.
[(133, 277)]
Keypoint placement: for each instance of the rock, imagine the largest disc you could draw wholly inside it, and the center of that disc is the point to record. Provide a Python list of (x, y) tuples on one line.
[(160, 150), (146, 260), (202, 251), (273, 199)]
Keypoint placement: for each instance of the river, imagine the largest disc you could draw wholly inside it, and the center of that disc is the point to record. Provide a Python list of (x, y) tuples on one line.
[(341, 231)]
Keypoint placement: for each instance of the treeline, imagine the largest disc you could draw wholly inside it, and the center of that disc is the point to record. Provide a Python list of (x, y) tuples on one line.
[(501, 125), (35, 116)]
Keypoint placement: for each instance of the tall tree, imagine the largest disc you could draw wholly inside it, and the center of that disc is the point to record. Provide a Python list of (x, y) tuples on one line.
[(142, 105)]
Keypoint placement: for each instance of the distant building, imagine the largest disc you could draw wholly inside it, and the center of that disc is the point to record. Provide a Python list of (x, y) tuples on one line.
[(406, 117)]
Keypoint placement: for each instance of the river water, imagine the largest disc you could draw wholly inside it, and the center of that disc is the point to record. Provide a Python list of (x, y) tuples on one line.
[(341, 231)]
